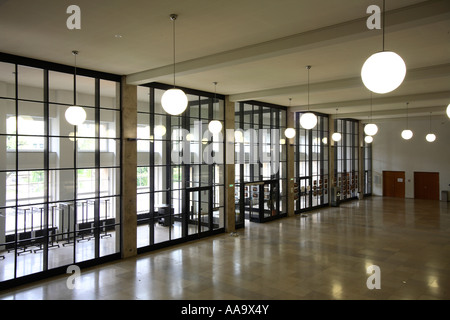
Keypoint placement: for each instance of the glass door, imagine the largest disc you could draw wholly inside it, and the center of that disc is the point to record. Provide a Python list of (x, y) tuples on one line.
[(304, 190), (262, 201), (199, 219), (271, 201), (252, 202)]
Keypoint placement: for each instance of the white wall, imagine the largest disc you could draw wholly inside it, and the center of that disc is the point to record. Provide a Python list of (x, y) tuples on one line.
[(392, 153)]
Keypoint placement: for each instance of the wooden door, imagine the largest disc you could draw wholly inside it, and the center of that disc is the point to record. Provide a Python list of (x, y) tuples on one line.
[(426, 185), (394, 184)]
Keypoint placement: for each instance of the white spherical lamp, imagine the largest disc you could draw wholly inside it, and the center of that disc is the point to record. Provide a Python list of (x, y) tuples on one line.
[(215, 127), (371, 129), (431, 137), (289, 133), (174, 101), (407, 134), (448, 110), (336, 137), (308, 120), (383, 72), (368, 139), (160, 131), (75, 115)]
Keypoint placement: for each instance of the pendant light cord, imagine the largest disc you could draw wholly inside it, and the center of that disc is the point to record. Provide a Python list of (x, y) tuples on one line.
[(308, 67), (75, 53), (384, 18), (407, 116), (430, 123), (174, 52)]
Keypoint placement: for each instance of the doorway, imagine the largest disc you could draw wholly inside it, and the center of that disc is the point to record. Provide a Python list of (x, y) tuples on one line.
[(261, 201), (394, 184), (426, 185), (200, 214)]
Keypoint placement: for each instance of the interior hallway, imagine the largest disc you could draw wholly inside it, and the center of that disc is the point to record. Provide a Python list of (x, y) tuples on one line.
[(323, 256)]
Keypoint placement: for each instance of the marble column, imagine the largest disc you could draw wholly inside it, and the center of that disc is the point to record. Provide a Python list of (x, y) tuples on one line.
[(129, 165), (230, 213), (290, 166), (331, 162), (361, 175)]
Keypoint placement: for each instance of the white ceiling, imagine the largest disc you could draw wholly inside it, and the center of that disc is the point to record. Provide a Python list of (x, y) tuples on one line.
[(254, 49)]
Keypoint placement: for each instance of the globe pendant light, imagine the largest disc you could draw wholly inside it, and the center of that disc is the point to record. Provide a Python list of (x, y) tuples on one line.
[(407, 134), (215, 126), (174, 101), (371, 129), (75, 115), (368, 139), (289, 132), (308, 120), (448, 110), (383, 71), (336, 136), (431, 137)]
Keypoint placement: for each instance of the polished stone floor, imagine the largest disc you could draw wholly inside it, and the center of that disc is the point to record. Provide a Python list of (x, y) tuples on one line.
[(321, 256)]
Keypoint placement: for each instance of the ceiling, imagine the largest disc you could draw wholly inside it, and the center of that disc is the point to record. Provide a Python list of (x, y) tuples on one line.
[(254, 49)]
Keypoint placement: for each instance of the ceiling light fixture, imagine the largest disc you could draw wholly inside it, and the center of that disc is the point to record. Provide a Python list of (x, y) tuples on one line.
[(308, 120), (174, 101), (431, 137), (368, 139), (407, 134), (336, 136), (371, 129), (75, 115), (215, 126), (383, 71), (289, 132)]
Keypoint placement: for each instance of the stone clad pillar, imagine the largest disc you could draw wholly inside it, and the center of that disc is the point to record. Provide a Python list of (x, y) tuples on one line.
[(230, 214), (290, 165), (129, 165), (361, 175)]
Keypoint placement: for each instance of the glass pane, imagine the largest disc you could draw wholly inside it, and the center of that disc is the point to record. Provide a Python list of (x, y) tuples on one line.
[(8, 156), (109, 124), (60, 87), (7, 117), (85, 91), (31, 83), (7, 80), (143, 99), (109, 92)]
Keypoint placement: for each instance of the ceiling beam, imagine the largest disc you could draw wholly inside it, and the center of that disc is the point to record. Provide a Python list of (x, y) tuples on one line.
[(356, 82), (396, 113), (430, 96), (411, 16)]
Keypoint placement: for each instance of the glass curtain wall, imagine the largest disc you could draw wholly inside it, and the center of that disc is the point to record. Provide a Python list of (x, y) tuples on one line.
[(346, 158), (260, 157), (180, 174), (311, 165), (59, 184)]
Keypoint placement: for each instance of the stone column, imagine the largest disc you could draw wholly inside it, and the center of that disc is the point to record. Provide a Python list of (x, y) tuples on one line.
[(331, 162), (361, 175), (230, 213), (129, 165), (290, 158)]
